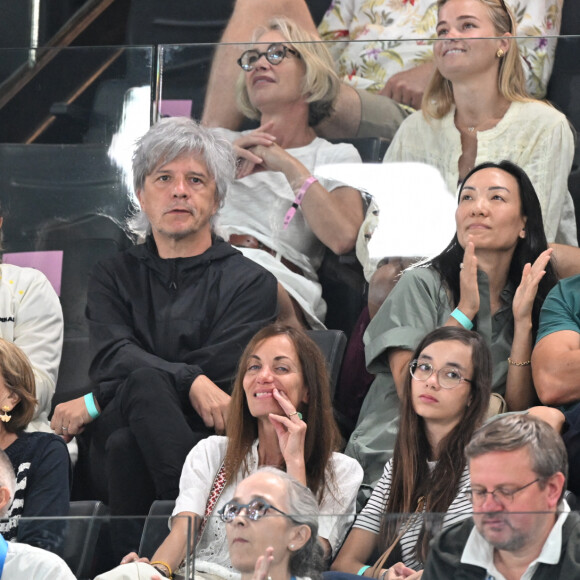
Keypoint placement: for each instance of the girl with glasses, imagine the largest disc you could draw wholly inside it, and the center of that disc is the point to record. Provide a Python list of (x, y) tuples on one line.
[(280, 415), (278, 211), (445, 397)]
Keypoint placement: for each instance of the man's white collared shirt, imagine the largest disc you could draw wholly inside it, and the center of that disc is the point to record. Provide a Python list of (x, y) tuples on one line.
[(478, 552)]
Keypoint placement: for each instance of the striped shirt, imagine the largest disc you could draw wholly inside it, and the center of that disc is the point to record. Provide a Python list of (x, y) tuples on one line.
[(371, 516)]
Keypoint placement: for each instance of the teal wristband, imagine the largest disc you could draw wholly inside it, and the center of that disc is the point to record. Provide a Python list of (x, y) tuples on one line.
[(462, 319), (91, 407), (362, 570)]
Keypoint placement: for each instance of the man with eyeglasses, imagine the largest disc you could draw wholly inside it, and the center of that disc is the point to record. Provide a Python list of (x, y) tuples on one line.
[(522, 527)]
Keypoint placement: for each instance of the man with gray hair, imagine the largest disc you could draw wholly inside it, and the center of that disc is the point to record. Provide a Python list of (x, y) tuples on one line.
[(21, 560), (168, 319), (522, 528)]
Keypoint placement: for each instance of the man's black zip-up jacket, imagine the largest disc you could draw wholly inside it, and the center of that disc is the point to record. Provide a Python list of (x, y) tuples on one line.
[(186, 316)]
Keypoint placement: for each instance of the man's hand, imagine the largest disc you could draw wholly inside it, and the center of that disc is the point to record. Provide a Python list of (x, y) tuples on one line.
[(407, 87), (69, 419), (210, 403)]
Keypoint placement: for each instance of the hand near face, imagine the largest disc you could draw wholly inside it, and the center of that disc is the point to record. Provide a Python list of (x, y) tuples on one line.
[(526, 292), (291, 432), (468, 289), (69, 419), (210, 403), (407, 87), (263, 565)]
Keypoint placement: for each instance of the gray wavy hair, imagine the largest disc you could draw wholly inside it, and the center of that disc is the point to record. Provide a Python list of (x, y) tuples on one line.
[(175, 137), (303, 510)]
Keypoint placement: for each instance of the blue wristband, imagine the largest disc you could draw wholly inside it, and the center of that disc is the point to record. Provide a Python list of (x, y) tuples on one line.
[(462, 319), (91, 407), (362, 570)]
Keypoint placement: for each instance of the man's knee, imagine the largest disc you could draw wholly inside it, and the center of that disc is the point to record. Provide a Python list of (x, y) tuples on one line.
[(146, 385), (121, 443)]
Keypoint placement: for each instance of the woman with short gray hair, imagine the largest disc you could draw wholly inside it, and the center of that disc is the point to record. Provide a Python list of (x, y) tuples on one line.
[(277, 547)]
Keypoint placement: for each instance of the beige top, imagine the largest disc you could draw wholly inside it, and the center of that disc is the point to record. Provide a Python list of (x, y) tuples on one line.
[(533, 135)]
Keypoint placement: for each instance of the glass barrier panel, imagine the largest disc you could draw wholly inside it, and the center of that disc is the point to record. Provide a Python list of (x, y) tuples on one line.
[(426, 162), (70, 95), (67, 128), (93, 543)]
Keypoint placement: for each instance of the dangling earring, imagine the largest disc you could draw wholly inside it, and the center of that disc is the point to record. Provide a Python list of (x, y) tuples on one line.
[(499, 53), (5, 417)]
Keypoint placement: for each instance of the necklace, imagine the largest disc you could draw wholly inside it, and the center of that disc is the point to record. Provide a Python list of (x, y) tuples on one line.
[(487, 123)]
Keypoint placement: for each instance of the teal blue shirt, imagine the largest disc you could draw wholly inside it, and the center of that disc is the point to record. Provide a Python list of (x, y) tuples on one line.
[(561, 308)]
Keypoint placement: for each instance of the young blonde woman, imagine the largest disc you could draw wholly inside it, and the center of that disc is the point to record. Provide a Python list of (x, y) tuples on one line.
[(476, 109)]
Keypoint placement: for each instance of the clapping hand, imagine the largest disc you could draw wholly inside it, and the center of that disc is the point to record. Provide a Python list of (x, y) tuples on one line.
[(525, 295), (468, 288), (262, 567)]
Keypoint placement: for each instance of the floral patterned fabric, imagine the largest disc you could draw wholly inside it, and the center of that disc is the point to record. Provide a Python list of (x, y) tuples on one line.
[(380, 38)]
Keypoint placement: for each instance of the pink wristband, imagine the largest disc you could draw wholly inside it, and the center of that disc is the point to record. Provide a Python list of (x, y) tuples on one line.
[(298, 200)]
